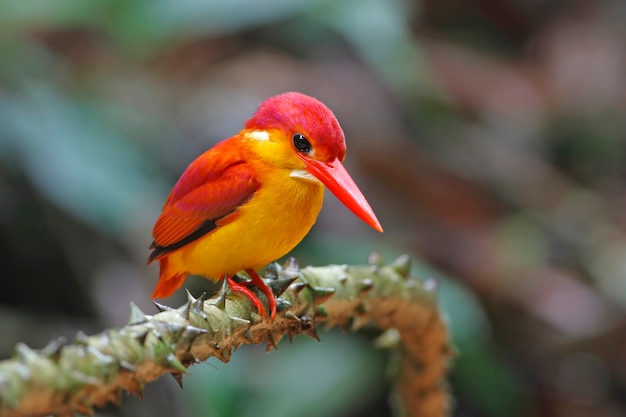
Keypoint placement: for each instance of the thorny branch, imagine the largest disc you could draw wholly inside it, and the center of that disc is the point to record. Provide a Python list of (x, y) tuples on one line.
[(93, 370)]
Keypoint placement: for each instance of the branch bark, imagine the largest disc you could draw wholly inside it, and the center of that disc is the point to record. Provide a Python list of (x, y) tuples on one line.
[(65, 378)]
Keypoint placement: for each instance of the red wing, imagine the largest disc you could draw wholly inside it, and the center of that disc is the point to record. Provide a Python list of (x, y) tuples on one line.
[(210, 189)]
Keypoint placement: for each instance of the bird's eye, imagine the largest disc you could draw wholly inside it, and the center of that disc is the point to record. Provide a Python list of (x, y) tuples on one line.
[(301, 143)]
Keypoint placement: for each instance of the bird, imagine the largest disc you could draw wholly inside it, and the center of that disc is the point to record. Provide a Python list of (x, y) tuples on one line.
[(251, 198)]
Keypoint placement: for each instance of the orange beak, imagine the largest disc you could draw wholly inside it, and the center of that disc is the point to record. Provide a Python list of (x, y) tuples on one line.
[(335, 177)]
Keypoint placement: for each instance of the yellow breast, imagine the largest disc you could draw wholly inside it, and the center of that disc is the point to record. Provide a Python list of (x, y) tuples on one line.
[(268, 226)]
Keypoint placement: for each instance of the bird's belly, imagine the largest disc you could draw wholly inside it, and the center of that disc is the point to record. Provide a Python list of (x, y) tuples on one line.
[(266, 228)]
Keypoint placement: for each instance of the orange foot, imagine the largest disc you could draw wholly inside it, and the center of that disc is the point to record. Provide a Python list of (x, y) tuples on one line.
[(259, 283)]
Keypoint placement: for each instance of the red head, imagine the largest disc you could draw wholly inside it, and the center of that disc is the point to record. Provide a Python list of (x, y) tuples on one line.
[(298, 132), (298, 113)]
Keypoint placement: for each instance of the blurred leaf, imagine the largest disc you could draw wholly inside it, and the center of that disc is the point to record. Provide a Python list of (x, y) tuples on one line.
[(489, 385), (141, 23), (17, 15), (379, 31), (304, 379), (80, 164)]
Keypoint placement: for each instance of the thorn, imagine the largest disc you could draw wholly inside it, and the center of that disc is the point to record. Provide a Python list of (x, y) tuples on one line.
[(223, 354), (190, 298), (271, 343), (186, 308), (172, 362), (162, 307), (240, 279), (278, 336), (282, 305), (178, 377), (248, 335), (141, 336), (299, 286), (136, 388), (136, 316), (238, 325), (24, 353), (81, 338), (139, 394), (198, 305), (291, 316), (402, 265), (271, 272), (346, 324), (321, 294), (192, 332), (127, 366), (172, 331), (219, 300), (255, 318), (279, 286), (291, 265), (54, 346), (312, 333), (375, 259), (365, 285), (358, 323), (389, 339)]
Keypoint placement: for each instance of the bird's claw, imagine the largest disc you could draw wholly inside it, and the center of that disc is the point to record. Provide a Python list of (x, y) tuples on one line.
[(258, 282)]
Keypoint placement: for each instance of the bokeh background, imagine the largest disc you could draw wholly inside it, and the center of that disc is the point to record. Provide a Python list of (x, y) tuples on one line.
[(488, 135)]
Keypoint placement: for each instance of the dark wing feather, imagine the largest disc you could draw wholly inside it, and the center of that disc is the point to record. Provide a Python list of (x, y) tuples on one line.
[(205, 197)]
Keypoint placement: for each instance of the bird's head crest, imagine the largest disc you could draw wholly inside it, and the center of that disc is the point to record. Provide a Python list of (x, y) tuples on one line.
[(296, 113)]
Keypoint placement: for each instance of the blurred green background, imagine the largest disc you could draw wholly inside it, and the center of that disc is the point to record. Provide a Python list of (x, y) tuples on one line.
[(488, 135)]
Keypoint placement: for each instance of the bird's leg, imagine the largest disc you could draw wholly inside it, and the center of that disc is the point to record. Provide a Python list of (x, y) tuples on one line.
[(243, 289), (258, 282)]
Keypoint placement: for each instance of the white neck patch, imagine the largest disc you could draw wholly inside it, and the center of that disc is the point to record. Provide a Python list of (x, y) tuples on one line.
[(304, 175), (260, 135)]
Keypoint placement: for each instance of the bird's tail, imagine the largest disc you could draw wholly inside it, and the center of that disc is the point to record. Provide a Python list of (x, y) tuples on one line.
[(169, 280)]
